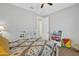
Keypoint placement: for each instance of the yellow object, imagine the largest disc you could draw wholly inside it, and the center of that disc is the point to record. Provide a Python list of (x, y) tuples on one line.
[(3, 52), (68, 44), (4, 47)]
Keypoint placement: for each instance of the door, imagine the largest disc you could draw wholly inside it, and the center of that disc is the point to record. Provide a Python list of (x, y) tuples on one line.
[(43, 27)]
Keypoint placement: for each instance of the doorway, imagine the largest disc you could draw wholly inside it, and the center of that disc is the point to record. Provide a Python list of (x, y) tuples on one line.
[(43, 27)]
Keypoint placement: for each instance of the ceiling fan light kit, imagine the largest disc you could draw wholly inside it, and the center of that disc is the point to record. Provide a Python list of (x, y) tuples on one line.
[(50, 4)]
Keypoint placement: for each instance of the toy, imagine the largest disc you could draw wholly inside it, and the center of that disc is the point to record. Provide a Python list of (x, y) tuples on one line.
[(66, 42), (57, 35)]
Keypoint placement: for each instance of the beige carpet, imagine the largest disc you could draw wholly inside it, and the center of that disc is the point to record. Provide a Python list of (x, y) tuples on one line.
[(68, 52)]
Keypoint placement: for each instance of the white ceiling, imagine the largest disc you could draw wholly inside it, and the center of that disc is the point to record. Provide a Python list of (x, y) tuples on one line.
[(46, 10)]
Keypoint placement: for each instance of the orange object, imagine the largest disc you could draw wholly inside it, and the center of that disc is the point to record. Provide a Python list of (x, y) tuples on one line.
[(3, 52), (67, 42), (4, 47)]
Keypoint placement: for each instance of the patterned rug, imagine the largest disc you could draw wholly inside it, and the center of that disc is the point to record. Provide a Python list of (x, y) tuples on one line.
[(32, 47)]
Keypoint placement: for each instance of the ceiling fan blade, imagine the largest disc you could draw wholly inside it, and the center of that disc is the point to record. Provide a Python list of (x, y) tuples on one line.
[(42, 5), (50, 4)]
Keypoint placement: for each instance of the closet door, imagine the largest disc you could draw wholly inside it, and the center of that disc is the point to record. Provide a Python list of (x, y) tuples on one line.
[(43, 27), (39, 27)]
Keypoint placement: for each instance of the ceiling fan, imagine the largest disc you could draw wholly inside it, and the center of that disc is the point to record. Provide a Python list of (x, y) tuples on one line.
[(46, 3)]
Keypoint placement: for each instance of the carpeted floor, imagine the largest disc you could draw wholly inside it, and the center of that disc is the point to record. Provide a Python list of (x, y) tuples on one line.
[(68, 52), (37, 47)]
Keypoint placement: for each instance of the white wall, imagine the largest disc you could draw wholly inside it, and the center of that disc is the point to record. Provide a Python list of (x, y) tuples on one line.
[(66, 20), (17, 20)]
